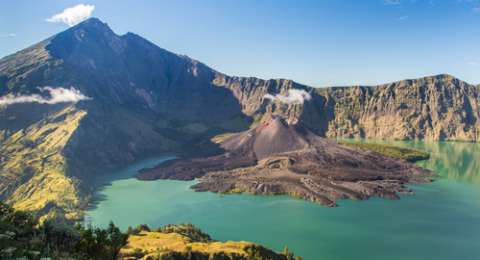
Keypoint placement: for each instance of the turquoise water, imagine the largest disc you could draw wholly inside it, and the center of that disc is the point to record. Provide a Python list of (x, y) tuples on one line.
[(441, 221)]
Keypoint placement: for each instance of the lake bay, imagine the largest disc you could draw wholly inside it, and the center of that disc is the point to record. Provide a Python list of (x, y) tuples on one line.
[(441, 221)]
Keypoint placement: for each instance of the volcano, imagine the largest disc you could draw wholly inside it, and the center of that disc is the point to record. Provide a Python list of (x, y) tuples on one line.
[(143, 100), (277, 157)]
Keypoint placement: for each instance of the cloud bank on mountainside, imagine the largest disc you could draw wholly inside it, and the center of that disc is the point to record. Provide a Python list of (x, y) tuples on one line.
[(55, 96), (293, 96)]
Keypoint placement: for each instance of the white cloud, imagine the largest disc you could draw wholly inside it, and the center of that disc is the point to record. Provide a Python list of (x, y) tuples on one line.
[(8, 35), (293, 96), (401, 18), (73, 15), (55, 95)]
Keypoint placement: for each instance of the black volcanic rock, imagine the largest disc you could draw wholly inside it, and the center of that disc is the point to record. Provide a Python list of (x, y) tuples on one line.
[(281, 158), (263, 141)]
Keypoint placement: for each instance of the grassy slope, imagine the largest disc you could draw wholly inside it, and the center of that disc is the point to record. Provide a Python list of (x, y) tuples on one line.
[(411, 155), (187, 242), (153, 243), (35, 166)]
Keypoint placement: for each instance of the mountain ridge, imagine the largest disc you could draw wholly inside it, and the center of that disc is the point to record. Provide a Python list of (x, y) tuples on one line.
[(145, 100)]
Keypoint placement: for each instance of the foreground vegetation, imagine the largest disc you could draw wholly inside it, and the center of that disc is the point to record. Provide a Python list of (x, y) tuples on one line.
[(407, 154), (22, 237)]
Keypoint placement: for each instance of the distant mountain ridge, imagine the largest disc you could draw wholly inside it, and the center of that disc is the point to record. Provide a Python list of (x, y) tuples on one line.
[(434, 108), (145, 100)]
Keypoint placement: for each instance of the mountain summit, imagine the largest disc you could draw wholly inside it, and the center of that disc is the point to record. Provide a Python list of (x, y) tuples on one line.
[(141, 100)]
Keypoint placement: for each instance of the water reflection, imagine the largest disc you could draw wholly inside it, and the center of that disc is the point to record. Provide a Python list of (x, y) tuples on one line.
[(453, 160), (457, 161), (441, 221)]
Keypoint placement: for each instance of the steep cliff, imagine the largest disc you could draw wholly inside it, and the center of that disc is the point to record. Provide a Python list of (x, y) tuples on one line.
[(434, 108)]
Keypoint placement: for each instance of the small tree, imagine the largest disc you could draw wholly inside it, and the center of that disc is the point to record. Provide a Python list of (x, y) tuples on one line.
[(116, 240)]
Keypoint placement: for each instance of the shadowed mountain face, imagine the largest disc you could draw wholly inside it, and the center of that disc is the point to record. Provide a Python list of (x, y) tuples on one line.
[(144, 100)]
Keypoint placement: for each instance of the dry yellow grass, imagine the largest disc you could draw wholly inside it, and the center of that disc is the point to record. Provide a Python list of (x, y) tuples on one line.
[(37, 151), (155, 243)]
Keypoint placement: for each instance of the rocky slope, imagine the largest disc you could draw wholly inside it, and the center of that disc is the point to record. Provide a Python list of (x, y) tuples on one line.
[(142, 100)]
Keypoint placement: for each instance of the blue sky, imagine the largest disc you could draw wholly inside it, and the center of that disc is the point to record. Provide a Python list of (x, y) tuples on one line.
[(320, 43)]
